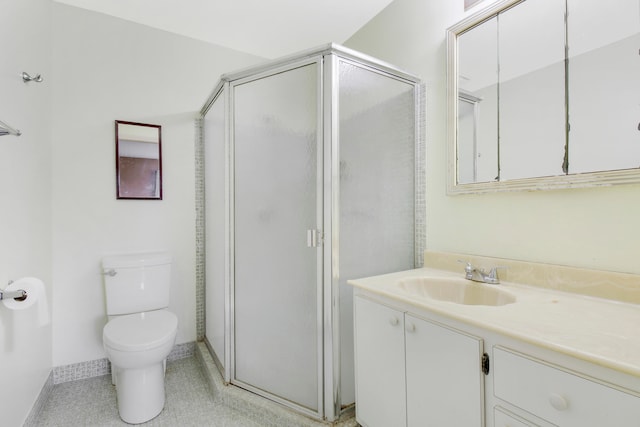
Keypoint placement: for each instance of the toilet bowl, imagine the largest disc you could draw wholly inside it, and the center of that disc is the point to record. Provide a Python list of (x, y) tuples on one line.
[(137, 346), (140, 331)]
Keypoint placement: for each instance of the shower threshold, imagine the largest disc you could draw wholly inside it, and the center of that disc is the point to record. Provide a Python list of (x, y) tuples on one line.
[(257, 407)]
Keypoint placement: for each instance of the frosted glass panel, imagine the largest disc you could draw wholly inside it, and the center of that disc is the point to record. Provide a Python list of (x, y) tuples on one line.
[(214, 155), (377, 168), (276, 314)]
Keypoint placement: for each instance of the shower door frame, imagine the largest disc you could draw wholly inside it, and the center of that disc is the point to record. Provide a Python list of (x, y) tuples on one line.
[(327, 59), (230, 372), (331, 124), (330, 299)]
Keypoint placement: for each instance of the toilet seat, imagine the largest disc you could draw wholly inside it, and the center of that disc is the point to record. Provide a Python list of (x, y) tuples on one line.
[(140, 331)]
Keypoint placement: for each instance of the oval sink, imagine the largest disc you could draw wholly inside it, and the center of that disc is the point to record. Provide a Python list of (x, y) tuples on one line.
[(456, 290)]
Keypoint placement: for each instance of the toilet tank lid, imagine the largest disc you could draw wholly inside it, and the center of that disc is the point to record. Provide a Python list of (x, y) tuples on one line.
[(136, 260)]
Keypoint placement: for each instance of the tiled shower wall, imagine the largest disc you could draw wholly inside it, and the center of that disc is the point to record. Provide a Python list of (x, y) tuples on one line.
[(421, 182)]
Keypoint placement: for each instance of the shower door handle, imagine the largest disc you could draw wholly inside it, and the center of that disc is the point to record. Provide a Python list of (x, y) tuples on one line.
[(315, 238), (110, 272)]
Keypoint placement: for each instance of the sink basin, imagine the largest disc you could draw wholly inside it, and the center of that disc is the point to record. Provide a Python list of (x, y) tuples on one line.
[(456, 290)]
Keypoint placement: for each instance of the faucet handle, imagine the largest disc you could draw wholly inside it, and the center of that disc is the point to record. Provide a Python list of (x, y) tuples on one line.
[(468, 265), (493, 273), (468, 269)]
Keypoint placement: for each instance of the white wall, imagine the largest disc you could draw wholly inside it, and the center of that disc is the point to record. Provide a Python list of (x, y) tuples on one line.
[(596, 228), (25, 199), (105, 69)]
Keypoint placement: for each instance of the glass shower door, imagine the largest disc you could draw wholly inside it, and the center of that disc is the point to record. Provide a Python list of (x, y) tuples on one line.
[(277, 207)]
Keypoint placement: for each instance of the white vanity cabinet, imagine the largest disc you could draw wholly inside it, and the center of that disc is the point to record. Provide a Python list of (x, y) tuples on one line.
[(564, 398), (425, 357), (380, 367), (414, 372)]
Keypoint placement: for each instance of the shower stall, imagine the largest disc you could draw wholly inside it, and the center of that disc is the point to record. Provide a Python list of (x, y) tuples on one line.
[(313, 176)]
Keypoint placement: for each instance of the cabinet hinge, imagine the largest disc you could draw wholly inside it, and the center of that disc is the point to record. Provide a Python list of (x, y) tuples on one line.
[(485, 364)]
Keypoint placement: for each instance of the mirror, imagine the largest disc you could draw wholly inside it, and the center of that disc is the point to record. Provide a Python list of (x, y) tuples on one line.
[(604, 85), (531, 90), (138, 161), (478, 104), (544, 94)]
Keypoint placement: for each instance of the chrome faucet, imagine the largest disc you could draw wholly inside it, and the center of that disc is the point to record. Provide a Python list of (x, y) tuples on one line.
[(479, 275)]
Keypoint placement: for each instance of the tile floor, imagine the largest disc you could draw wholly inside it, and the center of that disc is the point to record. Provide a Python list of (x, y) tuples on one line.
[(92, 402)]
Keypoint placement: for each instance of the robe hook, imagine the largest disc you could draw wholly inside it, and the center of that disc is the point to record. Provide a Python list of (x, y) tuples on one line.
[(27, 78)]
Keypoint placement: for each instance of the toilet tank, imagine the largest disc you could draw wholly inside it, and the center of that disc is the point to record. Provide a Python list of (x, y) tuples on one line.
[(136, 282)]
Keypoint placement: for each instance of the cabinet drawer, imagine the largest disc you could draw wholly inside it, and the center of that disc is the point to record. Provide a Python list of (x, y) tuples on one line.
[(503, 418), (561, 397)]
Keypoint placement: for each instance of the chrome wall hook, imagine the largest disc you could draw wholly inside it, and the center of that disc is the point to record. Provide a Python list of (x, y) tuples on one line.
[(5, 129), (27, 78)]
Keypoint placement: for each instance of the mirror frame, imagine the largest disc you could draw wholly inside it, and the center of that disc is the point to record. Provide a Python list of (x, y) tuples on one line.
[(120, 196), (579, 180)]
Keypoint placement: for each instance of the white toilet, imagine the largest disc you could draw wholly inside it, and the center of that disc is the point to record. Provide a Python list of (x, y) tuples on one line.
[(140, 332)]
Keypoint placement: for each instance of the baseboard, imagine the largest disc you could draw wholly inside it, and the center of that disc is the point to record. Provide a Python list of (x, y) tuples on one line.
[(42, 399), (99, 367)]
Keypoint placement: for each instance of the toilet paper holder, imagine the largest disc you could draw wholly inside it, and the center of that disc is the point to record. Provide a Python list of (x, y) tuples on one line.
[(19, 295)]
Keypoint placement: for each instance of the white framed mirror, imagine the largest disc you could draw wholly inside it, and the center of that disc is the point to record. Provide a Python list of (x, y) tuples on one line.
[(544, 94)]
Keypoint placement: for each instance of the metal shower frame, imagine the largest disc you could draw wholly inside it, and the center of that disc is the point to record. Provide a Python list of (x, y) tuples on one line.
[(327, 58)]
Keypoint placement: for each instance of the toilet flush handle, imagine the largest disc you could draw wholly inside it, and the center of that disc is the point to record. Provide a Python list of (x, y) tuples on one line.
[(110, 272)]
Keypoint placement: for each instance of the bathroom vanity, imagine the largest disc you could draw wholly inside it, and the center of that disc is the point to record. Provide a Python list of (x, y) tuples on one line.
[(435, 349)]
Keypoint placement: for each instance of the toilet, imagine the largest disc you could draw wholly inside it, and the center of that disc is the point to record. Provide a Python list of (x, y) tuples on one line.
[(140, 331)]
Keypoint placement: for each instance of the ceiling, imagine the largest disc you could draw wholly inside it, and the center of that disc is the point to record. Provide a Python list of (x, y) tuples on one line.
[(265, 28)]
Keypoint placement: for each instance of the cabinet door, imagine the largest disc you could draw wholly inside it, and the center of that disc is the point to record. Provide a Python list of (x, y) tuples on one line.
[(379, 352), (444, 378)]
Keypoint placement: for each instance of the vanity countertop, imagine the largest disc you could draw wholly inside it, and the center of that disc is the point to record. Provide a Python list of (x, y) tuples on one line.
[(601, 331)]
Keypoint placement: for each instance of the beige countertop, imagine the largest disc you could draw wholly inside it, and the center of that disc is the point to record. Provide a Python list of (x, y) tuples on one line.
[(601, 331)]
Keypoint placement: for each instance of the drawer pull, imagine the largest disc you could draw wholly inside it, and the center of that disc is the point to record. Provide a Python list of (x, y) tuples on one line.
[(558, 402), (394, 321), (410, 327)]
